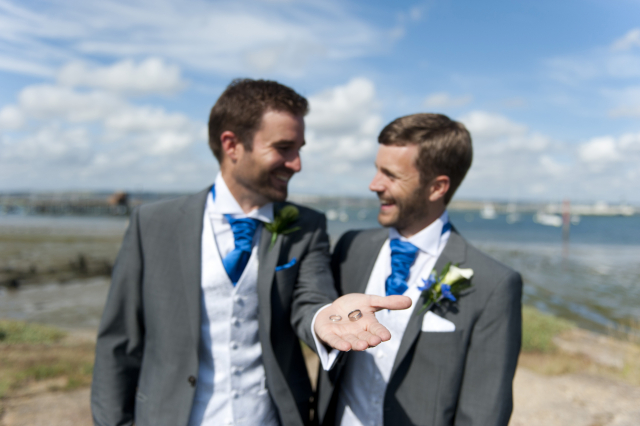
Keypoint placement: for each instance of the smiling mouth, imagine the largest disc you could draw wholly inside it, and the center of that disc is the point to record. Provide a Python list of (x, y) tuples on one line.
[(386, 203), (282, 177)]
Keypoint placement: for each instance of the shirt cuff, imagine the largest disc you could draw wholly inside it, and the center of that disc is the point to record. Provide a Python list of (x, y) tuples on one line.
[(327, 359)]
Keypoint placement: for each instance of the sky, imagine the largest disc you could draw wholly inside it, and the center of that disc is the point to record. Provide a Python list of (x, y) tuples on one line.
[(115, 95)]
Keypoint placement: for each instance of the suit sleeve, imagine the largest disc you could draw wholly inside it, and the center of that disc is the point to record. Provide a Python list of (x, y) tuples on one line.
[(486, 395), (314, 287), (120, 341)]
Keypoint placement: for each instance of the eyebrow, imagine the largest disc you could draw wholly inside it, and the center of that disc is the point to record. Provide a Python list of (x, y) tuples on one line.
[(288, 142), (386, 171)]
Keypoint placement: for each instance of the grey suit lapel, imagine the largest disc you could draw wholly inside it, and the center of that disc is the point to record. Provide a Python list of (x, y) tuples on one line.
[(368, 251), (189, 228), (453, 252), (267, 262)]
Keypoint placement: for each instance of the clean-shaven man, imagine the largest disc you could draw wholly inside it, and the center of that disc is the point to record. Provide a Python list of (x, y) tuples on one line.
[(212, 292), (447, 363)]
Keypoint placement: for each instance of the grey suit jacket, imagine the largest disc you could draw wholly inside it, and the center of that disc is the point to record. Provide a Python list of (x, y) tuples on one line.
[(147, 350), (462, 377)]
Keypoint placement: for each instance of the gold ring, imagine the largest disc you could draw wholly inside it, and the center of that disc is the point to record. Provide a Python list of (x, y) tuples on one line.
[(335, 318), (355, 315)]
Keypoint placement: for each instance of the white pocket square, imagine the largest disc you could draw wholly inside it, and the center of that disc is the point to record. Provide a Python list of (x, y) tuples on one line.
[(434, 323)]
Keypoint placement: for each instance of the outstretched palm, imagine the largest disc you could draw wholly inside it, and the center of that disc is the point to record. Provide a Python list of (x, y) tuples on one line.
[(345, 335)]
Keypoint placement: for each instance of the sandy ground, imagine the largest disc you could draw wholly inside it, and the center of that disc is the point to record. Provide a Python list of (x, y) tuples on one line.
[(574, 399)]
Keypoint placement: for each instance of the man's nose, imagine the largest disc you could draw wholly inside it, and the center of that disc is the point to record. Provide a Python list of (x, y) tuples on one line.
[(376, 183), (294, 163)]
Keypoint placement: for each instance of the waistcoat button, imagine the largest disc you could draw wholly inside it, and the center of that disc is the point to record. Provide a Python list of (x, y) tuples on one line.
[(192, 381)]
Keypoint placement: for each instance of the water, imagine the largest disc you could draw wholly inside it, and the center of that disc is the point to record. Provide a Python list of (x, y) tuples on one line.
[(594, 280)]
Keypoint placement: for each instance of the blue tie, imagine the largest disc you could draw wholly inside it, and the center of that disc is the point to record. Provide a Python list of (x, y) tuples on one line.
[(237, 259), (403, 253), (243, 230)]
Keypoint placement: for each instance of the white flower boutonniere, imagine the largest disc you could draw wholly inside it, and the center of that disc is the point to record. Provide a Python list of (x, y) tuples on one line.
[(281, 222), (447, 285)]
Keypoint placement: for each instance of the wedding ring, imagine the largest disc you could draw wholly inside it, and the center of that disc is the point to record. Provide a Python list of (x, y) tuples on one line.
[(355, 315), (335, 318)]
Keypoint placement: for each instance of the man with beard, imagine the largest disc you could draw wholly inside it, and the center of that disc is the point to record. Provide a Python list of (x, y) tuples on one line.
[(452, 356), (212, 292)]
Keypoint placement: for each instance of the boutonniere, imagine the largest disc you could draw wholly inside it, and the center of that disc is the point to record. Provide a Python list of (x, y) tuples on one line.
[(281, 222), (447, 285)]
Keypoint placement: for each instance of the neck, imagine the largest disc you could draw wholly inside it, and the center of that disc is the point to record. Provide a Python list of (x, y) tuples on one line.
[(422, 222), (246, 198)]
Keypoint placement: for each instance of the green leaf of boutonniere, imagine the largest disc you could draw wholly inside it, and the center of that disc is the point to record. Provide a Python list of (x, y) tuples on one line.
[(445, 286), (281, 221)]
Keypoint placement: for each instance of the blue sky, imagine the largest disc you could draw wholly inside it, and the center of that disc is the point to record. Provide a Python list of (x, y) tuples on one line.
[(115, 95)]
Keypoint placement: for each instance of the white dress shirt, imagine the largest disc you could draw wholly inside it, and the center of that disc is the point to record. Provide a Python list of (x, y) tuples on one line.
[(365, 378), (231, 385)]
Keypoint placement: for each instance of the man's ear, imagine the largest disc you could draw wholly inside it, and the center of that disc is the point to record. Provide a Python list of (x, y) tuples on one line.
[(231, 145), (439, 187)]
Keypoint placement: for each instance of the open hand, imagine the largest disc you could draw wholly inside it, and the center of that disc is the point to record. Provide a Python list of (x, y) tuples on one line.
[(367, 332)]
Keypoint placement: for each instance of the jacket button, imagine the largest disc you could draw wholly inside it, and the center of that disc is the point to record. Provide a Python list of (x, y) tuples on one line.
[(192, 380)]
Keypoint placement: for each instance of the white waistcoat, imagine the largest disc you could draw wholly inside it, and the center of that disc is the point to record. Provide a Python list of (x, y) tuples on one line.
[(231, 386)]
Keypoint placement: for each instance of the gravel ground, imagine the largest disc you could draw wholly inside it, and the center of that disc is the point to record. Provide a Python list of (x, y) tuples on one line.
[(573, 399)]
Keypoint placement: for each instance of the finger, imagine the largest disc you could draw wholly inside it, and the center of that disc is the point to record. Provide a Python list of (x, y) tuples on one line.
[(336, 342), (379, 330), (356, 344), (371, 339), (389, 302)]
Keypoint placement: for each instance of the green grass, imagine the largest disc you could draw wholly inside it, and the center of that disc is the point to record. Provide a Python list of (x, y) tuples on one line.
[(539, 329), (15, 332), (31, 353)]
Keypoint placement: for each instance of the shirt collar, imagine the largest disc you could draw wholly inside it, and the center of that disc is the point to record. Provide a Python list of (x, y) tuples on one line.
[(225, 203), (428, 239)]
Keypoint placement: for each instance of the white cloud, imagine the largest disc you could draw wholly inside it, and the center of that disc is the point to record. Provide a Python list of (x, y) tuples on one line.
[(51, 144), (628, 41), (553, 166), (486, 125), (46, 101), (152, 75), (224, 36), (342, 129), (599, 150), (88, 138), (11, 118), (617, 62), (141, 119), (625, 111), (343, 108), (445, 100)]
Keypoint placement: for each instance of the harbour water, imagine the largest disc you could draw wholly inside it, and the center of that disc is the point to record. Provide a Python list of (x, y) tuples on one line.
[(594, 280)]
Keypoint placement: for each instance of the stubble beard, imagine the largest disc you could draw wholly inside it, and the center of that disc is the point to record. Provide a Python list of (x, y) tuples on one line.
[(260, 183), (409, 210)]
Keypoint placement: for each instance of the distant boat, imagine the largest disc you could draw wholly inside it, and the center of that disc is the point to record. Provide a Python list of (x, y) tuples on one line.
[(512, 213), (575, 219), (488, 212), (548, 219), (332, 214), (513, 218)]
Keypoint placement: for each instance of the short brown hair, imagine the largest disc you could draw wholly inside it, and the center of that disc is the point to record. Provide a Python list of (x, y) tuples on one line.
[(243, 103), (444, 146)]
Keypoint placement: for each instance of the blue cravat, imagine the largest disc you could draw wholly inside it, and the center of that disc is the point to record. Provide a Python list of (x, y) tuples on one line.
[(403, 253), (237, 259), (243, 231)]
